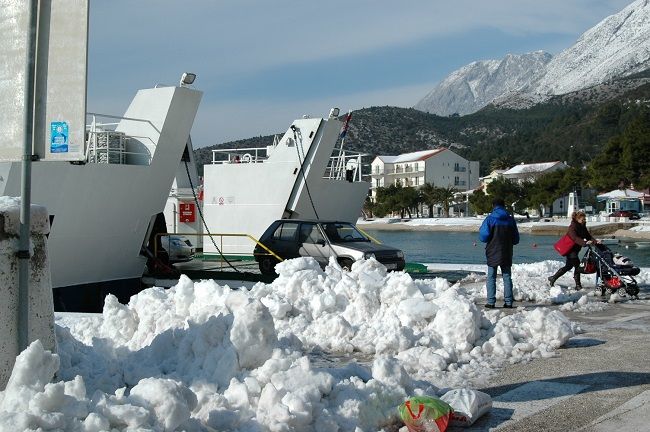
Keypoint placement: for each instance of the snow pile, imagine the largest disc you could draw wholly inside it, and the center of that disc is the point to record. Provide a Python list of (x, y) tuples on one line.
[(530, 283), (583, 305), (200, 356)]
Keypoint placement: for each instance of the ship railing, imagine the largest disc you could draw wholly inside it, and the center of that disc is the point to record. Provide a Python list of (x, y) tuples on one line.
[(224, 248), (240, 155), (105, 144), (345, 165)]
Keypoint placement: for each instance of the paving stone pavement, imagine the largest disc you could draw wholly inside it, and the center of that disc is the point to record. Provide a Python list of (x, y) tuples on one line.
[(600, 381)]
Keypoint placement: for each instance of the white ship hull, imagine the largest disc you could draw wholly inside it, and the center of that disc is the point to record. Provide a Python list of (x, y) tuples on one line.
[(102, 212), (301, 176)]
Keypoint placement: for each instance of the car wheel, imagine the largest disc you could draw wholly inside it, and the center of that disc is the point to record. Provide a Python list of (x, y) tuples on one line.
[(346, 264), (267, 265)]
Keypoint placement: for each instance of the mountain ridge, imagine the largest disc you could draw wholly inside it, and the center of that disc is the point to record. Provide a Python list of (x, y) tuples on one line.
[(573, 127), (616, 47)]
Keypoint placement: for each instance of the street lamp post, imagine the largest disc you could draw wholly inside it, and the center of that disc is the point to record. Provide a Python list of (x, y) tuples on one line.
[(26, 181)]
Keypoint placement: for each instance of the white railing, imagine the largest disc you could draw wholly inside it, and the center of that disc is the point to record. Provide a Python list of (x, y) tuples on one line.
[(105, 145), (240, 155), (344, 165)]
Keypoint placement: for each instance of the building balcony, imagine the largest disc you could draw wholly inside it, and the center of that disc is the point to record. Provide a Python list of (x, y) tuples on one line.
[(408, 171)]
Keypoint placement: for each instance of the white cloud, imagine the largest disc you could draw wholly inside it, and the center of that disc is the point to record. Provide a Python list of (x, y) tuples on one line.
[(136, 44), (238, 35)]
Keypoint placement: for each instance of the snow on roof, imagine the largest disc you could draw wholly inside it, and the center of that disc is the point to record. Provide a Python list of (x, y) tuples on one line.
[(621, 193), (411, 157), (494, 173), (531, 168)]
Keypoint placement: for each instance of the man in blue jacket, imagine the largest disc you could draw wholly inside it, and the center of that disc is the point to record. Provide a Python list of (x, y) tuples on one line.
[(499, 232)]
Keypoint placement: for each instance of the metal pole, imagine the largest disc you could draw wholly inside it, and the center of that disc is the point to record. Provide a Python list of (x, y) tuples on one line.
[(26, 181)]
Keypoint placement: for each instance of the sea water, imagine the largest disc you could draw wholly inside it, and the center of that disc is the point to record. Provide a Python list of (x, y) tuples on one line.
[(465, 247)]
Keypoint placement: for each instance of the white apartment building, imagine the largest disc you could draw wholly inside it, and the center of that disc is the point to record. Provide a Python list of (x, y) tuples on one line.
[(440, 167)]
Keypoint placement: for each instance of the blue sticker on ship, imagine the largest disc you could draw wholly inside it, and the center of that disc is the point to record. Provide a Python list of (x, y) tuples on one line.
[(59, 137)]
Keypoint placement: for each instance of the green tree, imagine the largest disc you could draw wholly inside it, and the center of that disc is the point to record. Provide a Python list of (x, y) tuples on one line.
[(605, 171), (625, 160), (396, 199), (545, 190), (635, 159), (369, 207), (432, 195), (408, 199), (500, 163), (514, 194), (428, 196), (480, 202), (446, 196)]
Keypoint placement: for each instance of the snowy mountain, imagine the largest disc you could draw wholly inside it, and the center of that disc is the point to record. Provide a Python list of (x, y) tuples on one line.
[(472, 87), (616, 47)]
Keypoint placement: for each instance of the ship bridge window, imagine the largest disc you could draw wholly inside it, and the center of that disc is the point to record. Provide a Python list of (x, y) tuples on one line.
[(311, 134)]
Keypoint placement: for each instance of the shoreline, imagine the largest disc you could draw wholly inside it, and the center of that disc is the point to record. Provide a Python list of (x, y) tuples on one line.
[(608, 230)]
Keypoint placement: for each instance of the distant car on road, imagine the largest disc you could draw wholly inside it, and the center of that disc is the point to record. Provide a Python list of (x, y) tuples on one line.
[(292, 238), (179, 248), (630, 214)]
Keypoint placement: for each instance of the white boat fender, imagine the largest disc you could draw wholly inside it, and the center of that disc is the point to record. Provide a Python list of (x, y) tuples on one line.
[(468, 405)]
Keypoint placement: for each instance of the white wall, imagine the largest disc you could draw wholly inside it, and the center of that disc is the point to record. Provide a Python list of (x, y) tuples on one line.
[(440, 170)]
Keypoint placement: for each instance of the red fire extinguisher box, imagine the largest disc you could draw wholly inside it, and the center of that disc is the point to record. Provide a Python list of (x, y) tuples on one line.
[(187, 212)]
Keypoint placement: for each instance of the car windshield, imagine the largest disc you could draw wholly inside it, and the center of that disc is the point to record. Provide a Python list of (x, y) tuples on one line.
[(343, 232)]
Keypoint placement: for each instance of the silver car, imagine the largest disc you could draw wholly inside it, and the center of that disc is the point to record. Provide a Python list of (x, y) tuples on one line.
[(292, 238), (178, 248)]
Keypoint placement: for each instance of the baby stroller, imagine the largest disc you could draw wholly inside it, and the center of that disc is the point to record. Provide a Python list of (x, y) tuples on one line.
[(616, 273)]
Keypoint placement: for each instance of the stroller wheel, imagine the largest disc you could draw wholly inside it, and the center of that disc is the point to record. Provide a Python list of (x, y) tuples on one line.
[(621, 292)]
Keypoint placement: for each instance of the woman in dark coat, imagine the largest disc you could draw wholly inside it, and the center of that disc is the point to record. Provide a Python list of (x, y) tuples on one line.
[(581, 237)]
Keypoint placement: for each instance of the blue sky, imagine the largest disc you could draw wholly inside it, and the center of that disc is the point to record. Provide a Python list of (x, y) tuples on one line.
[(262, 63)]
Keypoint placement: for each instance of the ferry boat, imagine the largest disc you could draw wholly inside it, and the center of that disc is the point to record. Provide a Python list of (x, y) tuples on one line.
[(302, 175), (103, 210)]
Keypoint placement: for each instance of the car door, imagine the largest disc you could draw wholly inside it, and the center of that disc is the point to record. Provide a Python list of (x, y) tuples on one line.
[(312, 243), (284, 240)]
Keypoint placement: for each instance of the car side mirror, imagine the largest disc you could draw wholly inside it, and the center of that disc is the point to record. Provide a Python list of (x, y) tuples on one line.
[(320, 242)]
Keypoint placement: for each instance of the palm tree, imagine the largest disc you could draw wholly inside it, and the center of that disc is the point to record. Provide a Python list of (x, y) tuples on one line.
[(432, 195), (446, 196), (500, 163), (428, 196)]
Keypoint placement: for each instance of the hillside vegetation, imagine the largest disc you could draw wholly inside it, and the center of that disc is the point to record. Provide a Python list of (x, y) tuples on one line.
[(574, 128)]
